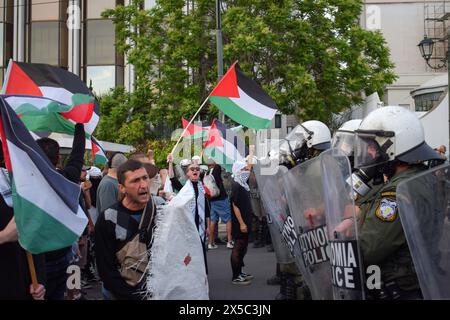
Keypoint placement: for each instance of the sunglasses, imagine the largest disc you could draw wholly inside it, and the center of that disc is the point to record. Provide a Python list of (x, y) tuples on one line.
[(194, 168)]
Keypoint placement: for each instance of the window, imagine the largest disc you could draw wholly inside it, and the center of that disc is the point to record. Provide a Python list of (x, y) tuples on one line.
[(103, 78), (6, 46), (289, 129), (96, 7), (47, 34), (428, 101), (45, 42), (7, 10), (277, 121), (100, 38), (44, 10)]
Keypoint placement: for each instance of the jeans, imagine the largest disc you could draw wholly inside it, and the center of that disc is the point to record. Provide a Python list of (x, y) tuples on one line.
[(56, 273)]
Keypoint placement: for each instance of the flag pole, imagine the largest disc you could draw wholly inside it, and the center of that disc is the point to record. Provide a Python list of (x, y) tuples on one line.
[(32, 270), (190, 122), (203, 104)]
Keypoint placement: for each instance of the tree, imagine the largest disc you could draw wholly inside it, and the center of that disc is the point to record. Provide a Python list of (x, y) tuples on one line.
[(311, 56)]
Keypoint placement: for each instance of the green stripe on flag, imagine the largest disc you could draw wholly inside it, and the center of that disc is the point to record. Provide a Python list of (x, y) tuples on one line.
[(52, 107), (52, 122), (79, 98), (30, 218), (100, 159), (238, 114)]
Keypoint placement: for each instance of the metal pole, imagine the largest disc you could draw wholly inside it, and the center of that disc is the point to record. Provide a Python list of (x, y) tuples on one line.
[(219, 51)]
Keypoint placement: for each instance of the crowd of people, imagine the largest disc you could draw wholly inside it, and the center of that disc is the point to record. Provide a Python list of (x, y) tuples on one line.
[(121, 203)]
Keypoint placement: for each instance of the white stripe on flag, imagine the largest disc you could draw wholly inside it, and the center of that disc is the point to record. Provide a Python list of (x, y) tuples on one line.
[(32, 186), (90, 126), (252, 106), (57, 93), (38, 102)]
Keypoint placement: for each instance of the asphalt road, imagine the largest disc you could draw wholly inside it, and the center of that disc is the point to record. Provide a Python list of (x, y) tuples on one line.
[(258, 262)]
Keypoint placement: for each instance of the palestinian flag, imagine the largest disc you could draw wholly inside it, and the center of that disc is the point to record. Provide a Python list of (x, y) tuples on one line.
[(194, 131), (243, 100), (40, 114), (51, 218), (56, 84), (98, 154), (224, 146)]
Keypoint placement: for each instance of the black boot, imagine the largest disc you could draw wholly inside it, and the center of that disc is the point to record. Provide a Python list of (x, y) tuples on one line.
[(259, 240), (283, 286), (268, 239), (291, 288), (303, 292), (276, 279)]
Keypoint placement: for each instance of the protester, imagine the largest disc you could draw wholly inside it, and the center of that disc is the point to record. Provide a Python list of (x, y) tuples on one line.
[(177, 182), (57, 262), (202, 205), (118, 225), (108, 189), (15, 279), (162, 176), (220, 207), (95, 177), (241, 221)]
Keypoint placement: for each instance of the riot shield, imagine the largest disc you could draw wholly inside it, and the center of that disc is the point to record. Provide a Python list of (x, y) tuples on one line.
[(345, 259), (423, 204), (273, 207), (303, 187)]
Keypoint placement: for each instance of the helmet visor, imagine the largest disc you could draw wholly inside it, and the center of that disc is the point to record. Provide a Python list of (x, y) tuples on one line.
[(293, 141), (368, 152), (345, 142)]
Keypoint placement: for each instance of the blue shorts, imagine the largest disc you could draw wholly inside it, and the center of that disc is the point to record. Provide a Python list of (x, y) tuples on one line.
[(220, 209)]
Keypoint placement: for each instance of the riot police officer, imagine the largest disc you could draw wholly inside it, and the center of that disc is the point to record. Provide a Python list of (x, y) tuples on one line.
[(344, 139), (306, 141), (390, 141)]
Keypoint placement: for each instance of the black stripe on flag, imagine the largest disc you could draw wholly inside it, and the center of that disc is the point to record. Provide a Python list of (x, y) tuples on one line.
[(44, 75), (17, 133), (252, 89), (50, 76)]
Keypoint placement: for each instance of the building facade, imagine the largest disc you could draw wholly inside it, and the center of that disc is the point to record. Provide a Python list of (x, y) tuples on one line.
[(404, 23), (70, 34)]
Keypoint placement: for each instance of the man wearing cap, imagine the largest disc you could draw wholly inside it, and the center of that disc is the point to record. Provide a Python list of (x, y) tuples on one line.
[(108, 189)]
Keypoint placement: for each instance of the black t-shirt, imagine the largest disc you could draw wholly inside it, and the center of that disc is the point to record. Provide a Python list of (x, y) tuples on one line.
[(216, 172), (241, 199)]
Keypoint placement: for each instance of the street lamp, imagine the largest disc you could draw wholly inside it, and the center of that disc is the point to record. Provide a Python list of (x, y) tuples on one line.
[(426, 47)]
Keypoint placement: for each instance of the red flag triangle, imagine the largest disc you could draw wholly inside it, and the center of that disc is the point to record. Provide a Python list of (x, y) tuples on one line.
[(192, 129), (227, 86), (20, 83), (214, 137)]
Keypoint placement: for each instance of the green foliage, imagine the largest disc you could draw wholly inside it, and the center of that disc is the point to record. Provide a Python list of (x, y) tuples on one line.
[(311, 56), (161, 149)]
